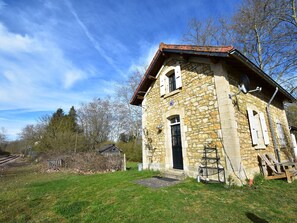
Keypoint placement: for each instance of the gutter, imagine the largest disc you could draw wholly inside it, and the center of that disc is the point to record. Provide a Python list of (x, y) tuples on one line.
[(276, 150)]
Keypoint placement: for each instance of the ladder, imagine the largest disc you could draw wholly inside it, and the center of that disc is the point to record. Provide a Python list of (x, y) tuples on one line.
[(210, 170)]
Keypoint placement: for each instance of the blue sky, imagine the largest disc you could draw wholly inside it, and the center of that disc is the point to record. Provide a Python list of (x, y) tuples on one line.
[(59, 53)]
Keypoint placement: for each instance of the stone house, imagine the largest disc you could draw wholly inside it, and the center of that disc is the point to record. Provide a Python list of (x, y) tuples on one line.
[(190, 101)]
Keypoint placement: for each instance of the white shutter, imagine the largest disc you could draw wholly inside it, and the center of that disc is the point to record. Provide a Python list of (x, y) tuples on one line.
[(178, 80), (294, 142), (280, 133), (253, 127), (264, 128), (162, 85)]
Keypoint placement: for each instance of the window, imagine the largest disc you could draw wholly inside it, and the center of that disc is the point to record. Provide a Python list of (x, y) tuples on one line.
[(174, 120), (170, 81), (280, 133), (172, 84), (258, 128)]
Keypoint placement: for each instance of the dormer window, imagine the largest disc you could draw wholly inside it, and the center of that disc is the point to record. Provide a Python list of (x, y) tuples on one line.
[(170, 81)]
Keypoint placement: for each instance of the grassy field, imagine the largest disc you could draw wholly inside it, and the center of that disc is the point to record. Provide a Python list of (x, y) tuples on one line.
[(30, 196)]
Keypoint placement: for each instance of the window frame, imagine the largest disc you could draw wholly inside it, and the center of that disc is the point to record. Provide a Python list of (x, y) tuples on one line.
[(171, 81)]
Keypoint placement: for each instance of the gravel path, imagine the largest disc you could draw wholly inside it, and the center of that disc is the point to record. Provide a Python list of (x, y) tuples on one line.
[(158, 182)]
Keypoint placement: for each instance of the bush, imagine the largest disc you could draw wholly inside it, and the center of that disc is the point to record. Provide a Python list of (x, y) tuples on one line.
[(4, 153), (132, 149), (89, 162)]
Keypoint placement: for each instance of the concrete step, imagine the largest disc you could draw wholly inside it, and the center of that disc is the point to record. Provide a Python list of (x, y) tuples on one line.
[(174, 174)]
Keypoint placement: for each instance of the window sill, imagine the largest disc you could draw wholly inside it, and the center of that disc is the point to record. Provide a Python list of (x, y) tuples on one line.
[(172, 93), (261, 147)]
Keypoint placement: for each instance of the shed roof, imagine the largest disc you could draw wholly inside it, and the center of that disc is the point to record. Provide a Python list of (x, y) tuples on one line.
[(227, 53), (108, 148)]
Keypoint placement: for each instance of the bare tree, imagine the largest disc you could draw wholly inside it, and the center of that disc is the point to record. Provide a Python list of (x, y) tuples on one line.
[(95, 120), (202, 33), (29, 135), (264, 30), (286, 15), (3, 138), (126, 116)]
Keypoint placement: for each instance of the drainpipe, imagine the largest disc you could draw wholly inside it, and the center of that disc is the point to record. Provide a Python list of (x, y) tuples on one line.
[(271, 126)]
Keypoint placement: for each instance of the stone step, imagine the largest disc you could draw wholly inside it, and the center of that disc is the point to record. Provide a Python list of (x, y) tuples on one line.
[(174, 174)]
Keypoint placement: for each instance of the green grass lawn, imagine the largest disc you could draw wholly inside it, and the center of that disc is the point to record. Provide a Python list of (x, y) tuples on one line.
[(30, 196)]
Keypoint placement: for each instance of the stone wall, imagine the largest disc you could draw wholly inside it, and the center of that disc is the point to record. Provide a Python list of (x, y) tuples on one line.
[(257, 101), (196, 103)]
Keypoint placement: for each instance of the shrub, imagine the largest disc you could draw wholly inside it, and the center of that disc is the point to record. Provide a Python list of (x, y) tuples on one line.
[(4, 153), (89, 162), (132, 149)]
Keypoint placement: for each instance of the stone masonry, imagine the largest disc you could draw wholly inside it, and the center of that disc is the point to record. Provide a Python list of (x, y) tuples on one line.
[(203, 121)]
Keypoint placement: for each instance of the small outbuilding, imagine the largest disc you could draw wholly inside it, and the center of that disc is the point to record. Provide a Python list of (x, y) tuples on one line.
[(110, 150)]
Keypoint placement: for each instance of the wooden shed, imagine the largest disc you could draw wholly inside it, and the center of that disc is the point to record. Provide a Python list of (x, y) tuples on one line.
[(110, 150)]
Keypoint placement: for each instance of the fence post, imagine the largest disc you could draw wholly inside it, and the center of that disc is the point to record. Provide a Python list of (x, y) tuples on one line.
[(124, 162)]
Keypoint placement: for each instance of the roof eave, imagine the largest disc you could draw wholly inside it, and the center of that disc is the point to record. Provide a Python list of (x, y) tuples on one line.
[(133, 100), (192, 52)]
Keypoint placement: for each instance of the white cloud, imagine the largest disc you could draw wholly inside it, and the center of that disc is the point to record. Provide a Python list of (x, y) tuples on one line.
[(13, 43), (32, 68), (71, 77)]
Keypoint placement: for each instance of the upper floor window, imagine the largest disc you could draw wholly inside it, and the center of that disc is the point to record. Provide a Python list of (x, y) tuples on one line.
[(174, 120), (170, 81)]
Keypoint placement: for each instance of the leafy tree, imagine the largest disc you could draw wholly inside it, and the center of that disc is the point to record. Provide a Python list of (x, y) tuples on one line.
[(72, 120), (61, 132)]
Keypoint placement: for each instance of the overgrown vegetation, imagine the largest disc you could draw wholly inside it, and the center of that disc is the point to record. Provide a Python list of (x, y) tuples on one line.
[(132, 149), (30, 196)]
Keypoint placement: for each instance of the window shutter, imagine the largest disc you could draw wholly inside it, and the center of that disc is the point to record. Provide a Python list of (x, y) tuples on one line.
[(166, 83), (280, 133), (162, 85), (253, 127), (264, 128), (178, 80)]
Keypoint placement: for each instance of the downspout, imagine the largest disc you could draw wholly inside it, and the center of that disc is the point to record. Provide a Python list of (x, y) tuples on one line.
[(271, 126)]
